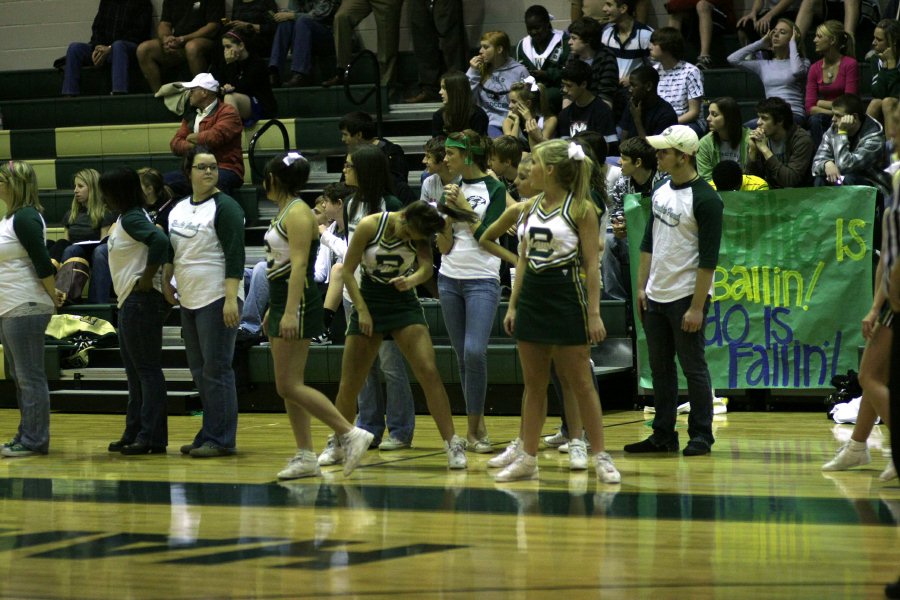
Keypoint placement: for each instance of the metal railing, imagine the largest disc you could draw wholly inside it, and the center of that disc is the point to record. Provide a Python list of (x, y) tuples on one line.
[(375, 89), (251, 151)]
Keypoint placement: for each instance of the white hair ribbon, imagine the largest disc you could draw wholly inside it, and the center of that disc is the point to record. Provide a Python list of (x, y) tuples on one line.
[(291, 158), (576, 152), (532, 83)]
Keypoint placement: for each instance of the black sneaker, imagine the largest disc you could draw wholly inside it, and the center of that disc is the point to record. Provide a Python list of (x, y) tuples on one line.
[(321, 340), (696, 449), (648, 446)]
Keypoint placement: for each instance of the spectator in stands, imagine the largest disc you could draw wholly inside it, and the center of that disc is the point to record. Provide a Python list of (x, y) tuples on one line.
[(491, 74), (258, 15), (530, 118), (585, 42), (586, 112), (183, 34), (506, 154), (207, 234), (679, 254), (647, 113), (544, 51), (639, 176), (256, 301), (783, 71), (727, 176), (627, 37), (459, 110), (118, 28), (849, 8), (438, 31), (680, 83), (835, 74), (727, 139), (367, 170), (886, 78), (86, 225), (387, 24), (711, 15), (523, 181), (137, 251), (27, 300), (216, 125), (358, 129), (595, 9), (780, 151), (245, 85), (330, 258), (306, 29), (158, 197), (469, 277), (439, 174), (852, 150), (763, 17)]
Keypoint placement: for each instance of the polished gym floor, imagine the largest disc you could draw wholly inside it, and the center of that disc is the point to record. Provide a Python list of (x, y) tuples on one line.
[(755, 519)]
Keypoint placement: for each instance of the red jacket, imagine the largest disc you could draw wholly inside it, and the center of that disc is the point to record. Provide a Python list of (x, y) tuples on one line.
[(222, 131)]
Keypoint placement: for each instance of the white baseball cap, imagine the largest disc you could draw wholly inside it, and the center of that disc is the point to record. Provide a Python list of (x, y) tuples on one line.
[(680, 137), (203, 80)]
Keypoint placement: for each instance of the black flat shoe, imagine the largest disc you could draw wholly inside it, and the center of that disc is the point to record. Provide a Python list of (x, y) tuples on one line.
[(117, 445), (132, 449)]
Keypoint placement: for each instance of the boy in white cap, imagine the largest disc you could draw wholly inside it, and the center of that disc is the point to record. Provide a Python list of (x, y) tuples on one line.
[(679, 253)]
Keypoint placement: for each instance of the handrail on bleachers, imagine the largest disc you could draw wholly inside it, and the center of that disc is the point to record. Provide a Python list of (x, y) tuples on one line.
[(251, 150), (376, 87)]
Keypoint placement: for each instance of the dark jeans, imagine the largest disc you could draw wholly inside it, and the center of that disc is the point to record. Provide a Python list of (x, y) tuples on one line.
[(615, 271), (209, 345), (304, 37), (665, 340), (79, 55), (141, 320), (851, 179), (817, 126), (438, 31), (100, 287), (181, 187)]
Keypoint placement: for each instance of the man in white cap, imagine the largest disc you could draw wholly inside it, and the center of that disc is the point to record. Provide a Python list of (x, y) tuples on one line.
[(679, 253), (216, 125)]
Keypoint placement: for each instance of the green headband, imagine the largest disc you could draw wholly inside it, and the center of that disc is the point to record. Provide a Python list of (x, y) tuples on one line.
[(464, 144)]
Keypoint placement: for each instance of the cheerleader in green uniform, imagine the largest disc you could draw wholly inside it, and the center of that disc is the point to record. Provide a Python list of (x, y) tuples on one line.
[(554, 312), (295, 316), (394, 251)]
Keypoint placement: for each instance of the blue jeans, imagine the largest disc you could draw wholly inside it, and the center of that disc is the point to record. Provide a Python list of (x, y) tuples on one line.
[(79, 55), (469, 307), (303, 36), (665, 340), (397, 404), (209, 345), (141, 320), (616, 276), (100, 287), (257, 298), (181, 187), (23, 345)]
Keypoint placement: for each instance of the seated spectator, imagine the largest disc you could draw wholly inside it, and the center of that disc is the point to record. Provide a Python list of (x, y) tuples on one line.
[(330, 257), (258, 15), (711, 15), (835, 74), (159, 197), (586, 112), (647, 113), (387, 26), (780, 151), (852, 150), (639, 176), (438, 174), (245, 85), (358, 129), (438, 32), (585, 41), (256, 302), (626, 37), (459, 110), (87, 225), (727, 176), (491, 73), (680, 83), (504, 160), (544, 51), (216, 125), (886, 78), (727, 139), (183, 35), (529, 117), (118, 28), (595, 9), (307, 28), (783, 71), (846, 10), (762, 18)]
